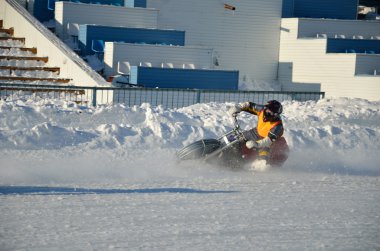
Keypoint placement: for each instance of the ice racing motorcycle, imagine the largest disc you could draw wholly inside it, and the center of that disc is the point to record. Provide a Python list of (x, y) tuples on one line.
[(230, 150)]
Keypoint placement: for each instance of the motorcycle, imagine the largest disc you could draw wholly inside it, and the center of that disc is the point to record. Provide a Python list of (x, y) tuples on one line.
[(230, 150)]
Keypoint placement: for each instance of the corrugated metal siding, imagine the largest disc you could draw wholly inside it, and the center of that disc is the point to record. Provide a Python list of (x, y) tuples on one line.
[(366, 87), (155, 54), (103, 15), (128, 35), (43, 13), (337, 9), (338, 45), (183, 78), (309, 66), (246, 39)]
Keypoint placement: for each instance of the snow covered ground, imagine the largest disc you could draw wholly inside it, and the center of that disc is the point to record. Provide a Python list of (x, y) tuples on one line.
[(105, 178)]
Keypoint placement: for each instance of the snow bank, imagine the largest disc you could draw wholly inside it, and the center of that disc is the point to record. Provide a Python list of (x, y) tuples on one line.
[(57, 140)]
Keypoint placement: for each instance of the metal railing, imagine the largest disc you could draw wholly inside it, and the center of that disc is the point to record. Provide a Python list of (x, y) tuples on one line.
[(168, 98)]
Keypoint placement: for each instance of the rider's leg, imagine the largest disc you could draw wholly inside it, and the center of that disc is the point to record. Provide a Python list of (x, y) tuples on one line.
[(251, 135), (264, 153)]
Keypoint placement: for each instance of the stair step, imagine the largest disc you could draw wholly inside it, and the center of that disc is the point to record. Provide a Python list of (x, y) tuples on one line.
[(13, 68), (9, 31), (21, 39), (32, 50), (55, 80), (44, 59), (47, 89)]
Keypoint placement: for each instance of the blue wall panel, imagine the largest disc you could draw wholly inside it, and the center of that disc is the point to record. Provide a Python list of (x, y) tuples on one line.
[(109, 2), (136, 3), (335, 9), (153, 77), (128, 35), (43, 10), (287, 8), (340, 45)]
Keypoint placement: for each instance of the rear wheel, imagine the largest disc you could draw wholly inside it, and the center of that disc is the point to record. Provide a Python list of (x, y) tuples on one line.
[(198, 149)]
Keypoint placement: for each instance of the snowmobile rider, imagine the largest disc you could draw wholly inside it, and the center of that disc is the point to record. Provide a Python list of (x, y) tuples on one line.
[(269, 126)]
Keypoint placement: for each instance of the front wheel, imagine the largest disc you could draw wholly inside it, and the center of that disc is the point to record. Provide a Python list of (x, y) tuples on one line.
[(198, 149)]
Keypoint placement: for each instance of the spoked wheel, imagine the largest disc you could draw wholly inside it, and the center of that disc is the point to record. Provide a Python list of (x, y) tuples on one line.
[(198, 149)]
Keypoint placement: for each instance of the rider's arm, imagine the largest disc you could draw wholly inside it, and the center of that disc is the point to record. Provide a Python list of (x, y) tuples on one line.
[(251, 107), (276, 132)]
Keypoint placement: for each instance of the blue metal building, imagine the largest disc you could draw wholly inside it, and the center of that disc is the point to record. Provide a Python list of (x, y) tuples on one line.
[(43, 10), (335, 9), (153, 77)]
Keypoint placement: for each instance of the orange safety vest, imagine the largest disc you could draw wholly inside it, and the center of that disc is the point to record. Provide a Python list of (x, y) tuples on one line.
[(264, 127)]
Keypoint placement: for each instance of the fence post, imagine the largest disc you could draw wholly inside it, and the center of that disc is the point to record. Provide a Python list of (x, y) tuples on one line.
[(94, 96), (198, 96)]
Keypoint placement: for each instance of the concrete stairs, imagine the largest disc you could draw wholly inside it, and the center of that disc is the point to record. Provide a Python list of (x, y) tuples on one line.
[(19, 64)]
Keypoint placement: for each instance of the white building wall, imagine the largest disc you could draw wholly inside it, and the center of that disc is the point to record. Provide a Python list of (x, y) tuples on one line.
[(79, 13), (156, 55), (246, 39), (304, 65)]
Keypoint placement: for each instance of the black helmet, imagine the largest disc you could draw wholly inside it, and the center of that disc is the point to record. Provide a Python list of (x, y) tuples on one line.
[(272, 110)]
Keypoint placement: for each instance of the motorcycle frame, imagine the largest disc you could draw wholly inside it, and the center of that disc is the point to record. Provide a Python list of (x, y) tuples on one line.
[(239, 137)]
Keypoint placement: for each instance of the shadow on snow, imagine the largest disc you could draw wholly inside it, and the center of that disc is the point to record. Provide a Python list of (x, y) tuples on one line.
[(37, 190)]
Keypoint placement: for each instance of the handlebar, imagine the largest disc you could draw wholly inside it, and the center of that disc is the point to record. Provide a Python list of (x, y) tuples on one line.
[(236, 123), (237, 130)]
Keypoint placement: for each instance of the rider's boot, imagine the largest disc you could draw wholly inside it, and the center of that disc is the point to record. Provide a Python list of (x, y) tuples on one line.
[(264, 154)]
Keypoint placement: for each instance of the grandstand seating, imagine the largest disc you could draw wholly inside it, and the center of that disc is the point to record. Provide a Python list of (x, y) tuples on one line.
[(97, 46), (141, 30), (123, 67), (19, 64), (336, 45), (340, 66), (90, 34), (9, 31), (43, 10), (188, 57), (69, 12), (344, 48)]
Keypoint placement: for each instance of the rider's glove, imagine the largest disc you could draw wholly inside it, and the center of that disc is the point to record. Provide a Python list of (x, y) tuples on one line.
[(251, 144), (263, 143), (234, 110)]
